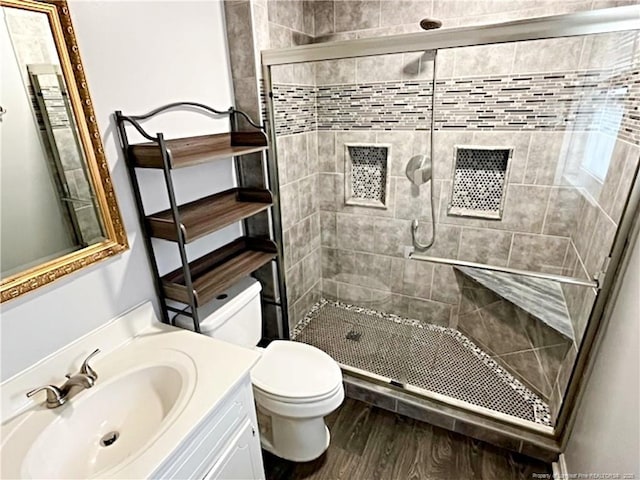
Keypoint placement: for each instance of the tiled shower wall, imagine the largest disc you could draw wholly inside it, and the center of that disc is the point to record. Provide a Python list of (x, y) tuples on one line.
[(603, 198), (540, 224), (297, 156), (297, 148), (254, 25), (527, 108), (348, 19), (363, 264)]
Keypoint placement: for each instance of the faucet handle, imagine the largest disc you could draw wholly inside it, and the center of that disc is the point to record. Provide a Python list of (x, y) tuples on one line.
[(54, 395), (86, 369)]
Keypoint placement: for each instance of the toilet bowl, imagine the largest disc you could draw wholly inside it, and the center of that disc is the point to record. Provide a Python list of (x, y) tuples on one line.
[(295, 385)]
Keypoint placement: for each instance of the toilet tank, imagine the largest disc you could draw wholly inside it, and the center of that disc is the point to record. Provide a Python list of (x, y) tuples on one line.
[(234, 316)]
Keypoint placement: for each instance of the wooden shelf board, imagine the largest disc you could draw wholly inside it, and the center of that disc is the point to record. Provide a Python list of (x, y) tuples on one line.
[(211, 213), (218, 270), (185, 152)]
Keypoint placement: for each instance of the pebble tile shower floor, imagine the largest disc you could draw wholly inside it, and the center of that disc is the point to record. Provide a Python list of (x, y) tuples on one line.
[(431, 357)]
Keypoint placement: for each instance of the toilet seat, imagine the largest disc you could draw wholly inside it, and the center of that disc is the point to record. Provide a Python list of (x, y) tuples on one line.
[(299, 410), (296, 401), (295, 373)]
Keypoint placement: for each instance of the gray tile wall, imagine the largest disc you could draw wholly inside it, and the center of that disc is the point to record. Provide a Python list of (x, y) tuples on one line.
[(252, 26), (347, 19), (592, 236), (290, 22), (602, 199), (298, 175), (519, 240), (588, 92), (360, 250), (518, 341), (532, 101), (242, 36)]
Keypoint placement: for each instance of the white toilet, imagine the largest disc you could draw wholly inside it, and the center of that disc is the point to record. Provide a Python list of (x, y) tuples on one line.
[(295, 385)]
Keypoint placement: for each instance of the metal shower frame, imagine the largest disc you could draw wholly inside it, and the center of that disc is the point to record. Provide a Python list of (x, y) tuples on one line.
[(608, 20)]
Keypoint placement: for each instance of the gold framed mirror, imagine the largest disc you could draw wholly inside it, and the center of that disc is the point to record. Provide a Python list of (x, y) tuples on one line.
[(59, 212)]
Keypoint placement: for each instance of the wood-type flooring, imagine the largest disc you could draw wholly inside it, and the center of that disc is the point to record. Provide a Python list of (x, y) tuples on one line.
[(368, 443)]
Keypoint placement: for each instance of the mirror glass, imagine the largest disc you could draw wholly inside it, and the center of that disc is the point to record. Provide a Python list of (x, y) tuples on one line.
[(48, 201)]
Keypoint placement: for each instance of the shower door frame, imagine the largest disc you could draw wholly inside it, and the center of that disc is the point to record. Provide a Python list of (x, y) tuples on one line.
[(608, 20)]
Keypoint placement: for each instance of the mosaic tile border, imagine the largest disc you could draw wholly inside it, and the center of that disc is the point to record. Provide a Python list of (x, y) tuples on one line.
[(295, 109), (541, 410), (593, 100)]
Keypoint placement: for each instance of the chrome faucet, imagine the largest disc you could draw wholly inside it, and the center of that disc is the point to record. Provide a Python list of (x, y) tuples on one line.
[(85, 378)]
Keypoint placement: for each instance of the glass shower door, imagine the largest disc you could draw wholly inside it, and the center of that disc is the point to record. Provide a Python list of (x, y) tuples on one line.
[(534, 154)]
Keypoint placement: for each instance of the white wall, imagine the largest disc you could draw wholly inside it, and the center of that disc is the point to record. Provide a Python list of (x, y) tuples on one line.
[(137, 56), (606, 435)]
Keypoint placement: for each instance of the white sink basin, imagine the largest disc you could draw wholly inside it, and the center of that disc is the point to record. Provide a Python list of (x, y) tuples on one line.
[(98, 431), (128, 412), (156, 386)]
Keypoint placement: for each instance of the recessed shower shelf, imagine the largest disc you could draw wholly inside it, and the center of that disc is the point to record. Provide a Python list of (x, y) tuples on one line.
[(184, 152), (208, 214), (479, 181), (541, 298), (218, 270)]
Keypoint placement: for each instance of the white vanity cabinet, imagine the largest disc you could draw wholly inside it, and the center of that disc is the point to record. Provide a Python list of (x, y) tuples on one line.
[(225, 445), (241, 459)]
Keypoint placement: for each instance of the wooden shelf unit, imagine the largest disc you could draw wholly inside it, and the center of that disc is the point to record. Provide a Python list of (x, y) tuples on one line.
[(208, 214), (189, 151), (220, 269), (194, 283)]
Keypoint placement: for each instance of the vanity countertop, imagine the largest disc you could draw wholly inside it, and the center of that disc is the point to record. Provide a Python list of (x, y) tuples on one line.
[(202, 369)]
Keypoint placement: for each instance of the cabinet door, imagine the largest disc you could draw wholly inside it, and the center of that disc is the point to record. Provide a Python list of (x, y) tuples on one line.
[(242, 459)]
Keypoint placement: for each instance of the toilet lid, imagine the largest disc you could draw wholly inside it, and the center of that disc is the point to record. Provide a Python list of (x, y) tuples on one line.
[(295, 370)]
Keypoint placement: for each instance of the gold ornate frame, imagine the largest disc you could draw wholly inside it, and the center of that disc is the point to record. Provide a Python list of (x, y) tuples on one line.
[(116, 238)]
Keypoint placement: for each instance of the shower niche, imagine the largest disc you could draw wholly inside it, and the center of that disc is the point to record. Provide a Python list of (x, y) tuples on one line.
[(366, 178), (479, 181)]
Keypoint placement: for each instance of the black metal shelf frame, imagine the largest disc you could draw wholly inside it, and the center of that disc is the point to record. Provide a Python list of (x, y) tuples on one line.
[(271, 183)]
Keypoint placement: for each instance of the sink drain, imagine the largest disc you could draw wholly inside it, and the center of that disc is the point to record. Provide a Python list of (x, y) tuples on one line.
[(109, 439)]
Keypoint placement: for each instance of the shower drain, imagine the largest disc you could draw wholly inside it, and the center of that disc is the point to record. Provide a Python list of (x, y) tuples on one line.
[(353, 335), (109, 439)]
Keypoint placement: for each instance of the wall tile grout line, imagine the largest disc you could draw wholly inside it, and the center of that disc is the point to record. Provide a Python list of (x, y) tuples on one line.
[(546, 213)]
